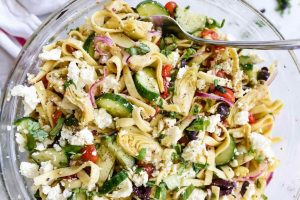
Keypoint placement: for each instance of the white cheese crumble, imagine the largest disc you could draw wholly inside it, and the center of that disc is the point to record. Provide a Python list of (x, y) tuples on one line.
[(87, 75), (170, 122), (250, 192), (40, 146), (67, 193), (201, 84), (226, 66), (261, 144), (195, 152), (53, 54), (213, 121), (77, 54), (73, 72), (241, 118), (21, 141), (109, 83), (173, 57), (102, 118), (30, 96), (173, 134), (181, 72), (81, 138), (197, 194), (29, 170), (57, 147), (140, 179), (46, 167), (53, 193)]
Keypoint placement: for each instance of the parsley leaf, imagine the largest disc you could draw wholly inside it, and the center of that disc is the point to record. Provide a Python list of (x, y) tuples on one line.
[(189, 52), (139, 49), (198, 124), (212, 23), (187, 193), (68, 83), (168, 49), (142, 154), (282, 5), (198, 167)]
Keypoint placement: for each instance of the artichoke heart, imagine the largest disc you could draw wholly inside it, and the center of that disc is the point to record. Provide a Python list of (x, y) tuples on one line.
[(137, 29), (185, 89), (133, 140)]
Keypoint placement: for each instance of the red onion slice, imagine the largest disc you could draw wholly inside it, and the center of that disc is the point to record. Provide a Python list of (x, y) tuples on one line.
[(126, 57), (253, 175), (104, 39), (214, 97), (154, 33), (270, 177), (94, 87)]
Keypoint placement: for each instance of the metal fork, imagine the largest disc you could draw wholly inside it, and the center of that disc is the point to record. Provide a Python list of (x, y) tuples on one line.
[(168, 24)]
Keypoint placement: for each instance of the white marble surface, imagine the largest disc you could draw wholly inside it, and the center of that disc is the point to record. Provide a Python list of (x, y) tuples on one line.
[(288, 25)]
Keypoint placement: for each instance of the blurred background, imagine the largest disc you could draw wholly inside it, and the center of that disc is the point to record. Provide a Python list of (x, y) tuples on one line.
[(19, 19)]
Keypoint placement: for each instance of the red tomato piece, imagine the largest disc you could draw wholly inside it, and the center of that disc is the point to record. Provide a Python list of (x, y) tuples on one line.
[(171, 6), (166, 71), (252, 119), (213, 34), (148, 167), (89, 153), (56, 115), (220, 74), (70, 49), (229, 94)]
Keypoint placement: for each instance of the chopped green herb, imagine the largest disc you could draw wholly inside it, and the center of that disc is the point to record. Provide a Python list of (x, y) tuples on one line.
[(160, 103), (195, 109), (151, 183), (56, 130), (212, 23), (247, 67), (71, 121), (142, 154), (187, 7), (140, 49), (68, 83), (187, 193), (216, 81), (138, 170), (198, 124), (221, 89), (72, 149), (168, 49), (282, 5), (189, 52), (258, 184), (198, 167), (161, 192), (178, 148)]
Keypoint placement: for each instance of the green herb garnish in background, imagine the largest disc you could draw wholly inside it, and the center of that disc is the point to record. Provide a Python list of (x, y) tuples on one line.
[(212, 23), (282, 5)]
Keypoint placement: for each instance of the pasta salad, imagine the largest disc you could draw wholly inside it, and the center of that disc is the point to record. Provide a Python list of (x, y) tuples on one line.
[(121, 110)]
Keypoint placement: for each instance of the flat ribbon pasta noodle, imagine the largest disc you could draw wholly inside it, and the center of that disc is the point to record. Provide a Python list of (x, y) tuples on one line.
[(46, 68), (79, 46), (98, 22), (210, 141), (237, 74), (184, 43), (114, 64), (139, 121), (124, 122), (208, 78), (50, 109), (266, 107), (77, 35), (153, 47), (263, 125), (185, 89), (124, 190), (133, 141), (50, 176), (55, 79), (42, 94), (215, 192), (122, 40), (80, 99), (118, 6), (202, 55), (240, 132), (223, 146), (211, 166), (136, 29), (130, 84), (229, 173)]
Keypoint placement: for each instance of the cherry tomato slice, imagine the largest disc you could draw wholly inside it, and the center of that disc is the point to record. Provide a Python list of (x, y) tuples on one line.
[(213, 34), (166, 71), (56, 115), (89, 153), (171, 6), (149, 168), (220, 74), (229, 95), (251, 118)]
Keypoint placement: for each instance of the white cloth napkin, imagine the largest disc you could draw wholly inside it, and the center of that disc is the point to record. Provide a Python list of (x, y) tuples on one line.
[(18, 18)]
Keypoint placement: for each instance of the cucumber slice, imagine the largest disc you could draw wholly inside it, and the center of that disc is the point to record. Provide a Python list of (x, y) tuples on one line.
[(122, 157), (115, 105), (113, 183), (106, 163), (88, 45), (227, 155), (23, 123), (58, 158), (172, 181), (146, 83), (149, 8)]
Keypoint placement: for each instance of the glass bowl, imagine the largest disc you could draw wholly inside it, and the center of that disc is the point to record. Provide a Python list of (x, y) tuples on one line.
[(242, 22)]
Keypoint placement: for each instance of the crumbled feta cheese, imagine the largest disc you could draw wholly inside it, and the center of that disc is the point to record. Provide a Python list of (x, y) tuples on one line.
[(53, 54), (30, 96), (46, 167), (213, 121), (40, 146), (81, 138), (21, 142), (77, 54), (67, 193), (57, 147), (53, 193), (181, 72), (109, 83), (241, 118), (201, 84), (167, 154), (195, 152), (29, 170), (261, 144), (226, 66), (140, 178), (197, 194), (102, 118), (87, 74), (173, 134), (73, 72), (170, 122), (168, 79), (173, 58)]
